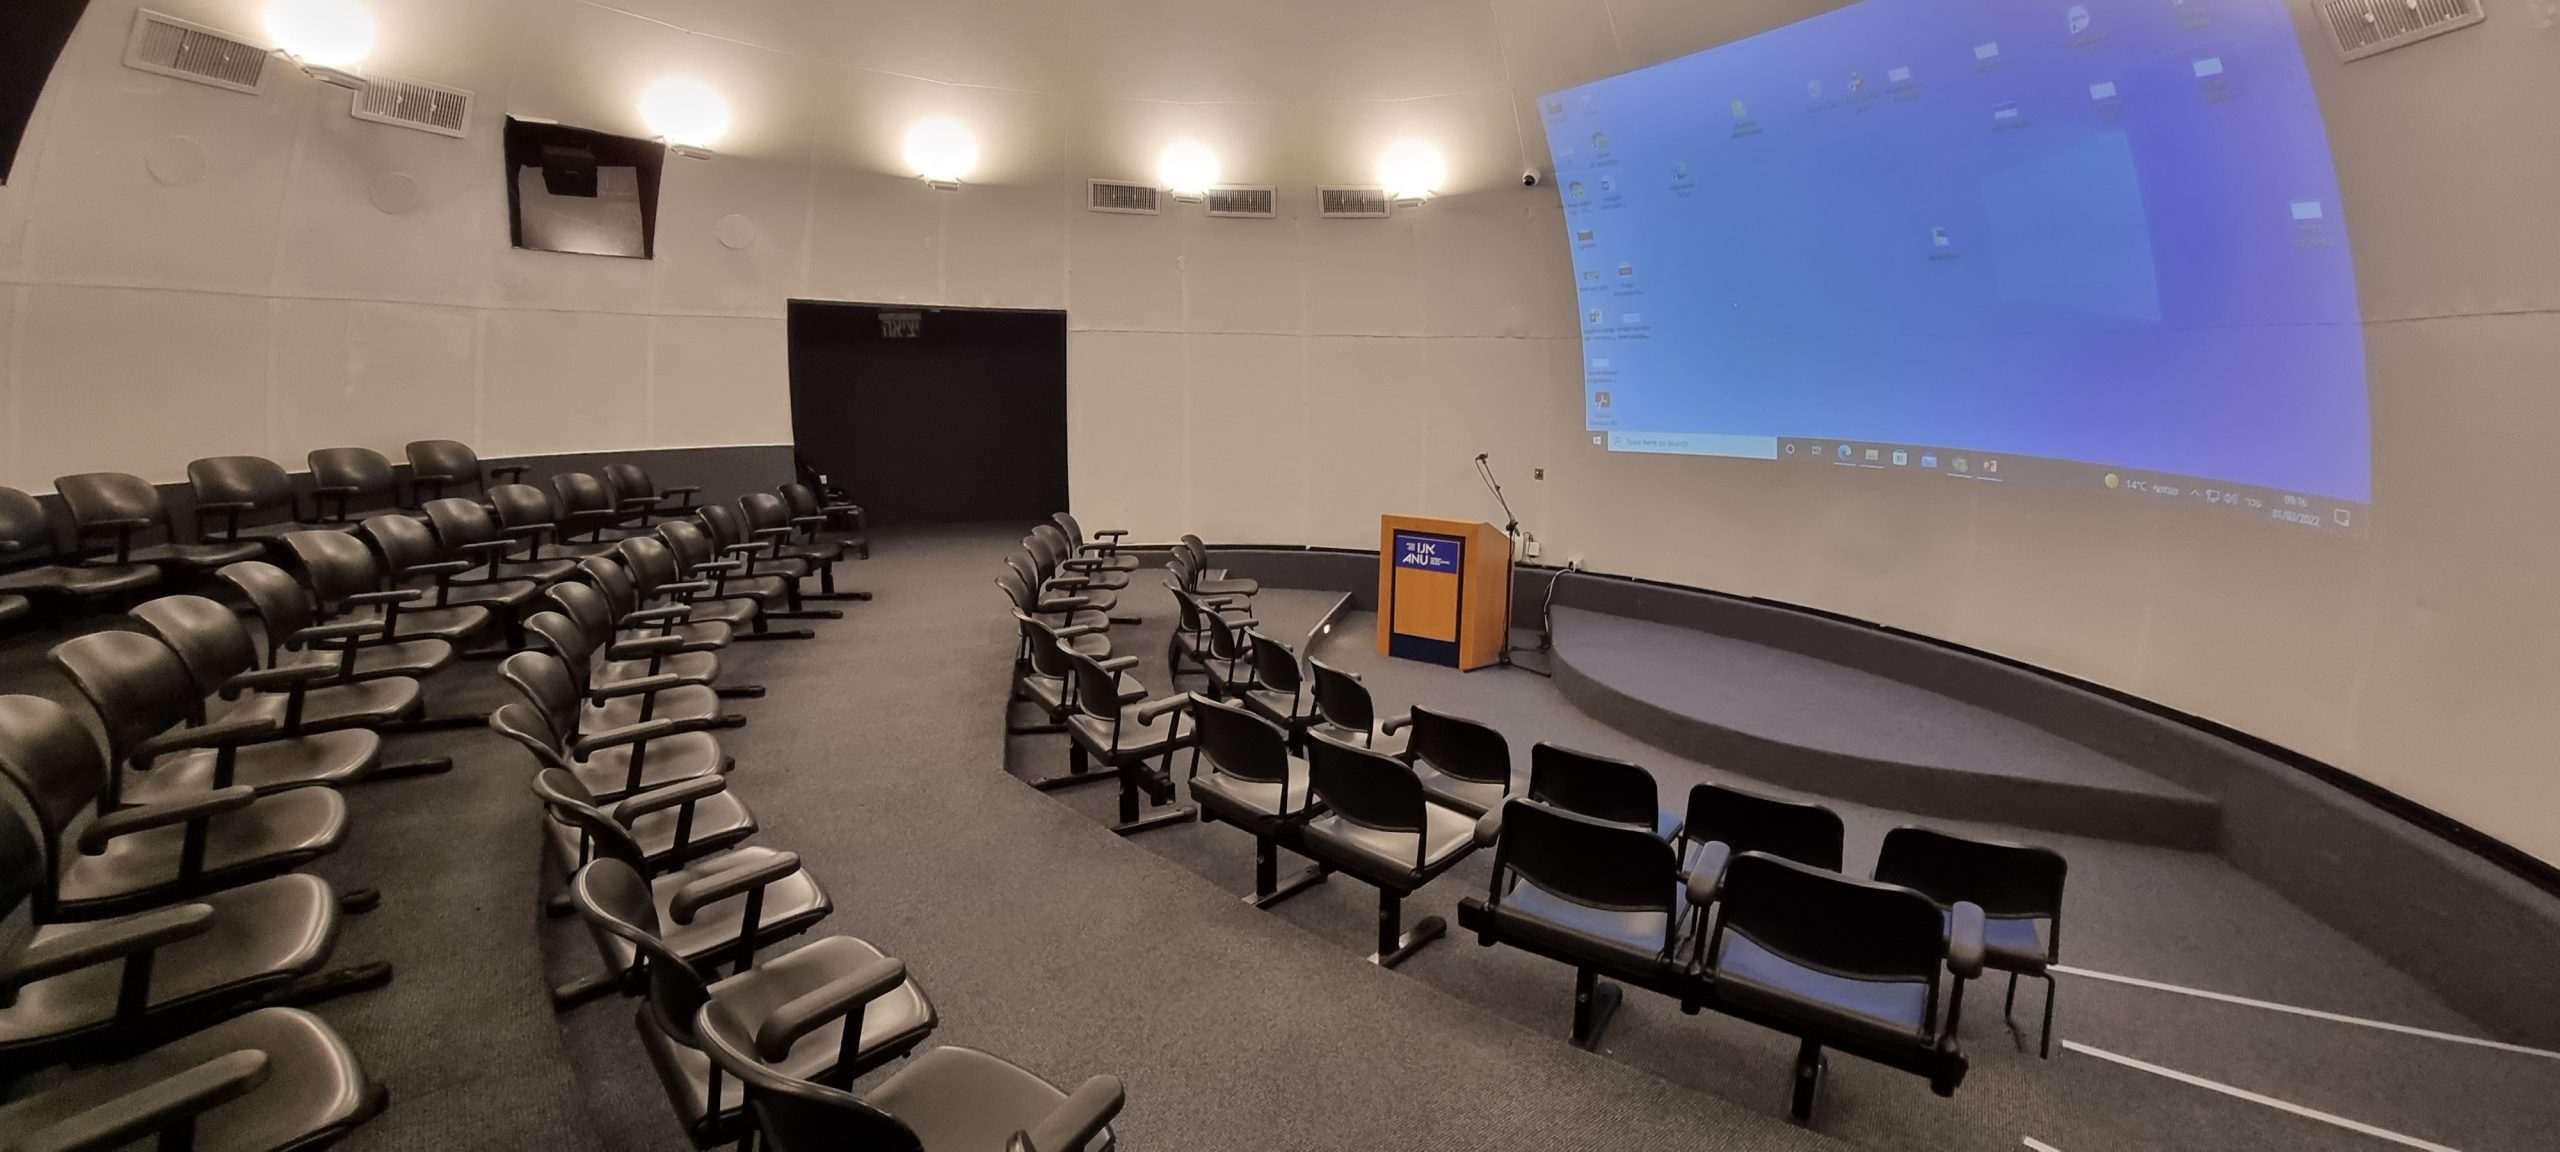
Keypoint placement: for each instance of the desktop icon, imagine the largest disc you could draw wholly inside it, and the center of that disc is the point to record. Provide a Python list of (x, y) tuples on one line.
[(2103, 90), (1857, 83), (2077, 19), (1600, 441), (1592, 274), (1844, 451), (1631, 318), (1898, 76), (1987, 52), (1597, 316), (1938, 238), (1585, 235), (1901, 458), (1608, 185), (1991, 467), (1599, 141), (1928, 461), (1740, 112), (1578, 191), (2114, 480), (2340, 515), (1680, 171), (1600, 399), (2209, 66), (2306, 210), (1555, 107), (1961, 466), (1626, 270), (2003, 113), (1813, 88), (1874, 455)]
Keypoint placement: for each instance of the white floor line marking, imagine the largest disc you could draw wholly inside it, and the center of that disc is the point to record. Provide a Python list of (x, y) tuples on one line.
[(2314, 1013), (2035, 1145), (2254, 1098)]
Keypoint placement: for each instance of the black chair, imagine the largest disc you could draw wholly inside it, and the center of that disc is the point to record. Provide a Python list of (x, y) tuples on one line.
[(471, 532), (1279, 692), (1841, 963), (2015, 885), (1599, 787), (635, 618), (813, 516), (1344, 711), (116, 858), (1229, 661), (1382, 828), (113, 504), (1598, 895), (1463, 764), (309, 705), (347, 483), (245, 493), (530, 514), (1059, 608), (1111, 730), (626, 698), (1725, 822), (768, 562), (1106, 541), (1190, 562), (1255, 784), (1048, 548), (26, 533), (443, 468), (94, 990), (354, 652), (639, 500), (1042, 677), (348, 586), (679, 563), (769, 519), (947, 1100), (588, 511), (414, 557), (1191, 626), (158, 750), (713, 909), (670, 826), (638, 656), (616, 762), (1062, 534), (832, 1009), (272, 1080)]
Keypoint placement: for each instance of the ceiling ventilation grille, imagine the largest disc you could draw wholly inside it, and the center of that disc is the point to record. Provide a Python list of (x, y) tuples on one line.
[(172, 47), (1355, 202), (1122, 196), (1255, 203), (2361, 28), (387, 99)]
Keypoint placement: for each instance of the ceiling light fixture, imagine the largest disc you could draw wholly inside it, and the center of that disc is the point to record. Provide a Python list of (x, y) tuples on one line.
[(942, 152), (1412, 171), (687, 115), (1188, 169), (326, 38)]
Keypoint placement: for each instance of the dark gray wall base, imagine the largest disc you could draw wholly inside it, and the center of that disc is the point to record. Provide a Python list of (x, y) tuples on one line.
[(2478, 934)]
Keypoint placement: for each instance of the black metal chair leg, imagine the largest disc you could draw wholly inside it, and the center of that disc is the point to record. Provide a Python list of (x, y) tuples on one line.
[(1268, 889), (1079, 771), (1595, 1001), (1396, 947), (1810, 1066), (2051, 991), (1130, 822), (2008, 1014)]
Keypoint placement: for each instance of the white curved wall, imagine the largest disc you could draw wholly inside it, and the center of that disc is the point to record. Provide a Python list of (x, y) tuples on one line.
[(1286, 380)]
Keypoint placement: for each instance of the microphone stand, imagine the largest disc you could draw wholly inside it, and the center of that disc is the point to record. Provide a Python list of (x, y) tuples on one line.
[(1511, 572)]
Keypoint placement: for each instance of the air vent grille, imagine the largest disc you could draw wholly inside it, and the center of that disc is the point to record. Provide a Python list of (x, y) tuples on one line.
[(387, 99), (1124, 196), (1248, 202), (2361, 28), (172, 47), (1355, 202)]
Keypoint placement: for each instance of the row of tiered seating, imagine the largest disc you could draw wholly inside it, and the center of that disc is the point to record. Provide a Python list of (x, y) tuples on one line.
[(1736, 904)]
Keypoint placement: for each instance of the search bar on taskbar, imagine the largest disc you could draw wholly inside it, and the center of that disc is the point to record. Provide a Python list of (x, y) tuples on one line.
[(1696, 444)]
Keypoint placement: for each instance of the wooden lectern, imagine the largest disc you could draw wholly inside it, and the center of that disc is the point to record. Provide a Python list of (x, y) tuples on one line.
[(1444, 591)]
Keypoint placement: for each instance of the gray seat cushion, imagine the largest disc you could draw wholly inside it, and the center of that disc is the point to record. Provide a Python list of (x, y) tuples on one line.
[(719, 820), (693, 665), (340, 757), (80, 580), (1243, 800), (791, 904), (361, 704), (682, 702), (900, 1018), (2013, 945), (1138, 739), (273, 835), (262, 935), (1890, 1011), (410, 658), (1634, 939), (1393, 858), (314, 1087), (681, 756), (1279, 707), (1468, 796), (963, 1100)]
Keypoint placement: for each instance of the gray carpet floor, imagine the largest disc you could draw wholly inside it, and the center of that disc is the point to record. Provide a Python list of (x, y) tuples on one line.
[(880, 757)]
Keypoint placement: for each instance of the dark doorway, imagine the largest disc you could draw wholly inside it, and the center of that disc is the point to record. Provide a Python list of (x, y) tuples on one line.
[(933, 415)]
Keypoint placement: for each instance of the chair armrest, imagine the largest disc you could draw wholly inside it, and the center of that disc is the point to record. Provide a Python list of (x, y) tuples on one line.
[(351, 630), (494, 549), (133, 1117), (808, 523), (1082, 563), (680, 490), (667, 796), (1075, 1121), (1706, 881), (394, 596), (92, 944), (1489, 828), (441, 568), (585, 746), (729, 567), (684, 587), (534, 530), (837, 998), (1394, 724), (690, 900), (225, 506), (637, 503), (227, 733), (1064, 603), (1111, 534), (1154, 708), (288, 676), (641, 686), (1117, 663), (1964, 940), (644, 646), (772, 535), (126, 821), (1072, 631), (671, 614)]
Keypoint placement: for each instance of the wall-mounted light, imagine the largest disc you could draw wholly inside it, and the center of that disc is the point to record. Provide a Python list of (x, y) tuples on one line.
[(1411, 171), (942, 152), (687, 115), (1188, 169), (327, 38)]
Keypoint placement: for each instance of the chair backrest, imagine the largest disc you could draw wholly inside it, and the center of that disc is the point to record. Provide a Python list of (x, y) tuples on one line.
[(458, 521), (688, 545), (49, 755), (1194, 616), (252, 480), (1595, 786), (650, 564), (343, 478), (443, 464), (522, 505), (1595, 863), (1366, 788), (1273, 663), (545, 682), (1747, 822), (630, 480), (404, 543), (1057, 542), (764, 511), (727, 531), (1459, 747), (96, 498), (1044, 556), (1186, 575), (802, 499), (23, 525), (584, 499), (1853, 928), (1341, 698), (523, 723), (1241, 744), (26, 864), (1066, 523), (571, 804), (283, 606), (1016, 582), (1097, 690), (135, 683), (337, 565), (613, 581), (586, 606), (1228, 641), (614, 899), (795, 1115), (574, 645), (2007, 881), (209, 641), (1048, 653)]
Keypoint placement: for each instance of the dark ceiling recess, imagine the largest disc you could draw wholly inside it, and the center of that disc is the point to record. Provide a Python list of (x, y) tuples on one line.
[(580, 191), (32, 33)]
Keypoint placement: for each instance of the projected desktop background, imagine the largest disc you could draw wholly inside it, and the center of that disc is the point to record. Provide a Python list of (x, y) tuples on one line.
[(2096, 244)]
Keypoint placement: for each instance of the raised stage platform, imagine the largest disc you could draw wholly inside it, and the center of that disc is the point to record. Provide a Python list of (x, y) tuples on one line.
[(1821, 727)]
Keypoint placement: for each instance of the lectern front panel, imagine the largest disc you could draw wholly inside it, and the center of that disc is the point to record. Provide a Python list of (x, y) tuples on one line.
[(1429, 597)]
